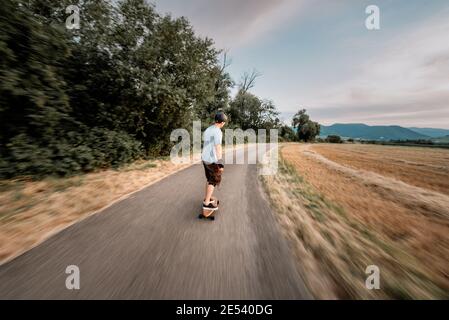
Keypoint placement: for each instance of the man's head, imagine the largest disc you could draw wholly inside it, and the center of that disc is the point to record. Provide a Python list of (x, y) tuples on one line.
[(220, 119)]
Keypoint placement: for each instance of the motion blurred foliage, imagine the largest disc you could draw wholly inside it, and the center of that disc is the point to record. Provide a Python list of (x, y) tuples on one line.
[(103, 95)]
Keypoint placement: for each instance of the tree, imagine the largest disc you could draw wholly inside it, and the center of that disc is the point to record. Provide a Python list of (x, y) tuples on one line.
[(248, 111), (106, 94), (248, 81), (334, 139), (288, 134), (221, 94), (307, 129), (34, 108), (146, 74)]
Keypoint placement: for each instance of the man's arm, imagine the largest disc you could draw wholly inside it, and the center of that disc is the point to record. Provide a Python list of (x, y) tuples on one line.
[(218, 151)]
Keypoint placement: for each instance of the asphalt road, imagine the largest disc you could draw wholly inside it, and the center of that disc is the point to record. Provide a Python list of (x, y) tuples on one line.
[(152, 246)]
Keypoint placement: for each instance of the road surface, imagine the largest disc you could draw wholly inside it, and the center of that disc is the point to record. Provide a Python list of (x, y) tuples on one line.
[(152, 246)]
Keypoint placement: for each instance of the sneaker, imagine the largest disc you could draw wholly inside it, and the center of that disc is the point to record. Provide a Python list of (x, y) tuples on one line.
[(210, 206), (213, 200)]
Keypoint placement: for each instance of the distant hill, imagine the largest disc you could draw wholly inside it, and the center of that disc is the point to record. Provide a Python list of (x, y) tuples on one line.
[(365, 132), (431, 132)]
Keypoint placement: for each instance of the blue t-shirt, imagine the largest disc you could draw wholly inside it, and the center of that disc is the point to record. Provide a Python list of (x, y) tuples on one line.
[(211, 137)]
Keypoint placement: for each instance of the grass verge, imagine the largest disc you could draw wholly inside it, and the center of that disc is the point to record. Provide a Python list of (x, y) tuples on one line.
[(334, 249), (32, 211)]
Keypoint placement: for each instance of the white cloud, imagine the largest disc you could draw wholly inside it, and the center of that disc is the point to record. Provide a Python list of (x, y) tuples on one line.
[(404, 82), (407, 82)]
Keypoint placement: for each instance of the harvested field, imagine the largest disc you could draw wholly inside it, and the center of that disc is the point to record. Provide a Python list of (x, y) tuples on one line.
[(352, 206), (422, 167)]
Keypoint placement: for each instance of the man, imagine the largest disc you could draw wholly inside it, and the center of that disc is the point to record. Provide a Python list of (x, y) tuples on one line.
[(212, 159)]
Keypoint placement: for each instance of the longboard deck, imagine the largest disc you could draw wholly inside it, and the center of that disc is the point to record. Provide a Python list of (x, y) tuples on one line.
[(209, 214)]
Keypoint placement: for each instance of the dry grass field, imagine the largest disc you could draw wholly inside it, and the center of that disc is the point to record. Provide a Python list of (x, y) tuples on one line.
[(427, 168), (32, 211), (349, 206)]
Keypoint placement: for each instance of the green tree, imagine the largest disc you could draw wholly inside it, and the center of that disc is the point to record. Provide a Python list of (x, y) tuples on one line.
[(221, 94), (334, 139), (248, 111), (34, 108), (75, 100), (287, 134), (307, 129)]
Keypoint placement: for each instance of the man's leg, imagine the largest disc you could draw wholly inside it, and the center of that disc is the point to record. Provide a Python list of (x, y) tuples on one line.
[(209, 190)]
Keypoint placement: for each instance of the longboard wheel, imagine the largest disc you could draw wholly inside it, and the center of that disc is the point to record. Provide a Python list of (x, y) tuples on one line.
[(210, 217)]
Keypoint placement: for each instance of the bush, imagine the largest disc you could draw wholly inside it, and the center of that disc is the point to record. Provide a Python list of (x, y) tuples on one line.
[(111, 148), (77, 152), (334, 139)]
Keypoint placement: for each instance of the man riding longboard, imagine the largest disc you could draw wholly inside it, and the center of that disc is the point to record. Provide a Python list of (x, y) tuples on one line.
[(213, 163)]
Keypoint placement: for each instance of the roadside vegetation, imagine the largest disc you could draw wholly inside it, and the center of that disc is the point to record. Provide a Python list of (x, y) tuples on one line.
[(342, 216), (111, 92), (31, 211)]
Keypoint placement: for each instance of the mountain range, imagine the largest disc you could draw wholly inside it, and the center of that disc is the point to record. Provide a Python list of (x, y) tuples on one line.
[(366, 132), (431, 132)]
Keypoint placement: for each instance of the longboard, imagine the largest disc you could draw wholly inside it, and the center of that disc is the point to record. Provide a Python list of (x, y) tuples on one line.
[(209, 214)]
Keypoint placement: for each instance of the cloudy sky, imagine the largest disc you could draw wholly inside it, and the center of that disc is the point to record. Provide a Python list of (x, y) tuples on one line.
[(318, 54)]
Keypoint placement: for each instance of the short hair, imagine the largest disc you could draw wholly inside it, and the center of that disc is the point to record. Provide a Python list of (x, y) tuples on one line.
[(220, 117)]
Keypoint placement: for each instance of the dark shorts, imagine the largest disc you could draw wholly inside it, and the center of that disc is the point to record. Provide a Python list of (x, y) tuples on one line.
[(213, 173)]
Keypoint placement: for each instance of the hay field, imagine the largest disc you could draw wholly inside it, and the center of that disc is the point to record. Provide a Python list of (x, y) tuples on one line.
[(349, 206)]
